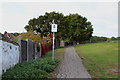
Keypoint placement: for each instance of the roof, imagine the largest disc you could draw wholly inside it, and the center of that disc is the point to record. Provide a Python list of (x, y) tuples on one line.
[(8, 35)]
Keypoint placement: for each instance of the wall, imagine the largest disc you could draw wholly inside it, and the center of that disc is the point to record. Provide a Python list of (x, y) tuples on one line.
[(0, 58), (10, 54)]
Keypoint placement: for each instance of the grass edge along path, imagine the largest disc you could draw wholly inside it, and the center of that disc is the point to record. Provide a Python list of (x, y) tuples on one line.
[(99, 58), (59, 53)]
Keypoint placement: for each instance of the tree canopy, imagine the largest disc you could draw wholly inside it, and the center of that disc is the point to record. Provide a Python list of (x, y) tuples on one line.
[(72, 27)]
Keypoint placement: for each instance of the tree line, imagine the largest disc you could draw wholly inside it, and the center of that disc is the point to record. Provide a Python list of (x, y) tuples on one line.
[(95, 39)]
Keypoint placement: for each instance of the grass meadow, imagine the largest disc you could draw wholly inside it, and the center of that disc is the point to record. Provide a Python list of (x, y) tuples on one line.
[(100, 59)]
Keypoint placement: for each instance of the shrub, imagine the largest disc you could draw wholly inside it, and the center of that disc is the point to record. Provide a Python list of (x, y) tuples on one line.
[(39, 68)]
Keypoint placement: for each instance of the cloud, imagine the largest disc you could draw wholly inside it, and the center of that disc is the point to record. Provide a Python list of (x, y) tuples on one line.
[(103, 15), (104, 19)]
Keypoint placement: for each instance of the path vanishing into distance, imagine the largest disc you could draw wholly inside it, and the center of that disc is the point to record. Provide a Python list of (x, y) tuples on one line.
[(71, 66)]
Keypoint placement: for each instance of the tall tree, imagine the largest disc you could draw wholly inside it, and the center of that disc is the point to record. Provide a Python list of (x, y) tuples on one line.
[(79, 29), (72, 27), (42, 24)]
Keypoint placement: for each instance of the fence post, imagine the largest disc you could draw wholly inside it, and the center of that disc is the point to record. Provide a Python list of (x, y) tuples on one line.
[(19, 42), (33, 54), (40, 49), (27, 49), (35, 51)]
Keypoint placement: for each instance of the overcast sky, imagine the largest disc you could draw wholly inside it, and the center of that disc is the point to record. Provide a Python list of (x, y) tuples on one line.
[(103, 15)]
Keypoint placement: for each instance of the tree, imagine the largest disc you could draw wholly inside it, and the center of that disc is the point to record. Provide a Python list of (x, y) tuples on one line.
[(118, 38), (98, 39), (113, 38), (15, 34), (79, 29), (42, 23), (72, 27)]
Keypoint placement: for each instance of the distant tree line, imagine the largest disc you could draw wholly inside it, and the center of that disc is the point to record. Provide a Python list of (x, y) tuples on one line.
[(95, 39), (15, 34), (98, 39), (115, 38)]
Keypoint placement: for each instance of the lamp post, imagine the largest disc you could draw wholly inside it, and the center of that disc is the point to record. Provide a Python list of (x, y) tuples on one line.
[(53, 29)]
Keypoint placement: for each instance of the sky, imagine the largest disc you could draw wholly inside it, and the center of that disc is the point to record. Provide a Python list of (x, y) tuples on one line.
[(103, 15)]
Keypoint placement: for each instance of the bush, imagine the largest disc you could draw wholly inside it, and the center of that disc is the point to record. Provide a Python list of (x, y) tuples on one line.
[(95, 39), (39, 68)]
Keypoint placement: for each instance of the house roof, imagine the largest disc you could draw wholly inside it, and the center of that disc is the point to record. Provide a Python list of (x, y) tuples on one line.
[(8, 35), (4, 37)]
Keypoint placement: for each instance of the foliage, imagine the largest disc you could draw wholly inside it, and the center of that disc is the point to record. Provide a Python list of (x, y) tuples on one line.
[(47, 40), (98, 39), (113, 38), (30, 36), (78, 29), (39, 68), (35, 37), (73, 27), (42, 23), (118, 38), (15, 40), (15, 34), (98, 58)]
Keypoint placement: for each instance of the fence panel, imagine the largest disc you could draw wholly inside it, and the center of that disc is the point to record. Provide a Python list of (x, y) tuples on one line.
[(23, 50), (57, 43), (37, 50), (30, 50)]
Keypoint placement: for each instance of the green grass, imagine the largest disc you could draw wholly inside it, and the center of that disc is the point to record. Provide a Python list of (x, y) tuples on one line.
[(39, 68), (99, 58), (59, 53)]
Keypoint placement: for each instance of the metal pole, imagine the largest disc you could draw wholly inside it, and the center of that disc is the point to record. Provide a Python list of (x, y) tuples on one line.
[(53, 47)]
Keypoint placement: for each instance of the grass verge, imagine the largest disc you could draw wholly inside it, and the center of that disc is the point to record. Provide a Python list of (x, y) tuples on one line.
[(39, 68), (100, 58), (59, 53)]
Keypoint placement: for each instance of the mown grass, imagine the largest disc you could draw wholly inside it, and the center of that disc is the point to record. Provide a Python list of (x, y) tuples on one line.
[(99, 58)]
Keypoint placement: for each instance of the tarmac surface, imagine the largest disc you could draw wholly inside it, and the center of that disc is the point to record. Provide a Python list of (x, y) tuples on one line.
[(71, 66)]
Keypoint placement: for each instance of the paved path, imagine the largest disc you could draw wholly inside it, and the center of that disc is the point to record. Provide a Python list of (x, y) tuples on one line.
[(71, 66)]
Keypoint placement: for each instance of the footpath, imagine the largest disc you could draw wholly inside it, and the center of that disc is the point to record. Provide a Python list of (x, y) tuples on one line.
[(71, 66)]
